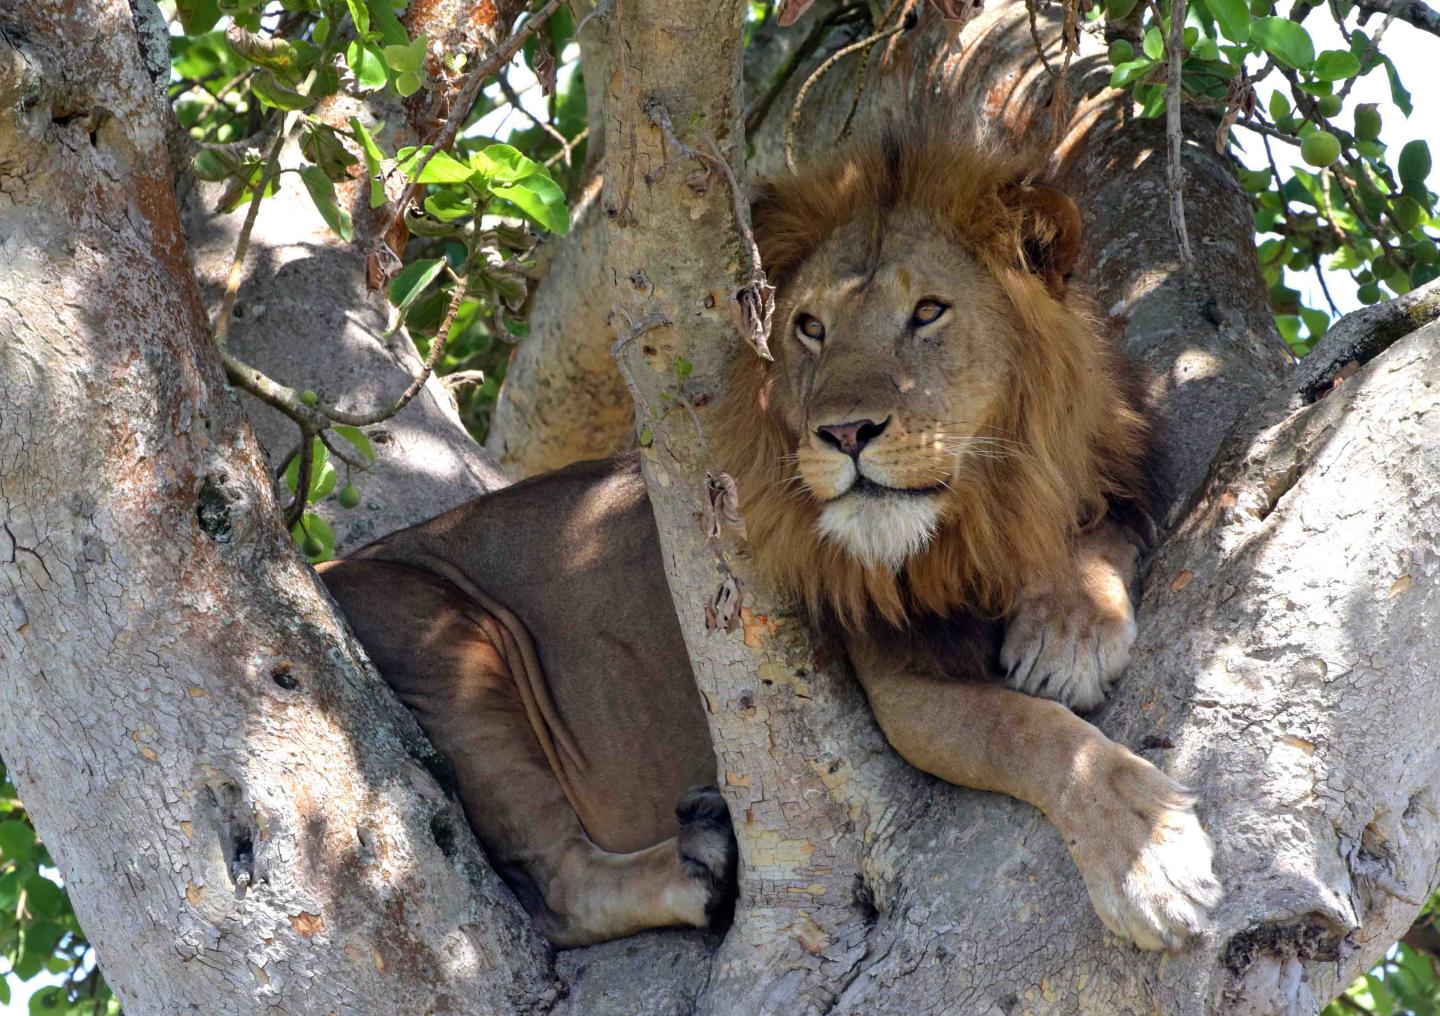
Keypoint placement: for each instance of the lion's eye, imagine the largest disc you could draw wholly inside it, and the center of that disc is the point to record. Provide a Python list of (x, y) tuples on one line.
[(928, 312), (810, 328)]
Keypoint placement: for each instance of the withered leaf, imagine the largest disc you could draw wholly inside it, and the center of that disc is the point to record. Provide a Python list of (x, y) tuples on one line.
[(723, 612), (724, 500), (753, 309), (543, 64), (790, 11), (381, 265), (957, 12)]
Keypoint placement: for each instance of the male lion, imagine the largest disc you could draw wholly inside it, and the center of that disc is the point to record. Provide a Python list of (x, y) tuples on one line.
[(939, 462)]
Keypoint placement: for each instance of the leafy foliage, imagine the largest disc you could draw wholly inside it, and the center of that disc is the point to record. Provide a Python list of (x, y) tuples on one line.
[(1359, 206), (1406, 982)]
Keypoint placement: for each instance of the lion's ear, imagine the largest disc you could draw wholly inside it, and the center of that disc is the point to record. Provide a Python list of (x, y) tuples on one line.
[(1049, 231)]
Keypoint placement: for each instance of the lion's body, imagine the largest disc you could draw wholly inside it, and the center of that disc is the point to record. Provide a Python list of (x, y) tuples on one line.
[(940, 458)]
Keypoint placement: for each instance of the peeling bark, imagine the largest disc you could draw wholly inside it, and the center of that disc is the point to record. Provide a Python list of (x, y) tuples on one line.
[(245, 819)]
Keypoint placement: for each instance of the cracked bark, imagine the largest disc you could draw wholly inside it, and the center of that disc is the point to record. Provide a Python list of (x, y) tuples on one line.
[(1283, 666), (245, 819)]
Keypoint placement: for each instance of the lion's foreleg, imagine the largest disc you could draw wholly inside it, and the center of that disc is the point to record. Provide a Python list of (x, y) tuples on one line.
[(1131, 830), (1069, 639)]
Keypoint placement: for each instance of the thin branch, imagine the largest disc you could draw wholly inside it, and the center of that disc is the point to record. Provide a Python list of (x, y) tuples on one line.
[(816, 75), (337, 449), (544, 125), (1373, 49), (242, 244), (474, 81), (461, 378), (1174, 139), (296, 509), (755, 115), (437, 349), (567, 148), (1413, 12)]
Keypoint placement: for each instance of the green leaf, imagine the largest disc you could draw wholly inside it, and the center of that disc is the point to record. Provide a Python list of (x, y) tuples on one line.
[(382, 15), (360, 15), (273, 53), (48, 1002), (43, 898), (17, 841), (1285, 40), (322, 480), (1128, 72), (322, 192), (442, 167), (197, 16), (1414, 165), (373, 158), (1336, 65), (1154, 44), (4, 991), (407, 83), (357, 437), (450, 204), (1233, 16), (270, 91), (413, 280), (1398, 94), (319, 144), (504, 164), (367, 65), (407, 57), (542, 201)]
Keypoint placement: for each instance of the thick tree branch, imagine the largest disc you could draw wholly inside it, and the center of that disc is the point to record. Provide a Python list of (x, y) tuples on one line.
[(1414, 12)]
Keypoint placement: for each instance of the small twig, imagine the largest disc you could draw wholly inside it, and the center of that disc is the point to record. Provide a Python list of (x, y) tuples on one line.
[(567, 148), (437, 349), (461, 378), (1413, 12), (1259, 127), (1174, 138), (815, 76), (242, 244), (1320, 275), (1373, 49), (1362, 335), (474, 81), (652, 320), (755, 115), (296, 509), (544, 125), (337, 449)]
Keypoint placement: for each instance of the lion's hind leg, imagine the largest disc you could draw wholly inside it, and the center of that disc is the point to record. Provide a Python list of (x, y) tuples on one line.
[(454, 665)]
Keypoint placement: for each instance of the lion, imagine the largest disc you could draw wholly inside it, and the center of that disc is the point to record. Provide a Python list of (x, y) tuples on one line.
[(945, 462)]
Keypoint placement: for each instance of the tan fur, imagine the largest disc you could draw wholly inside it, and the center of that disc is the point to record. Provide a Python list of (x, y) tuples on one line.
[(1074, 440), (997, 442)]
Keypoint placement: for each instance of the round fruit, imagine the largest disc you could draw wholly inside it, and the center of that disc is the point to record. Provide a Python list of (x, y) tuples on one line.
[(1320, 149), (1425, 253), (1328, 105), (309, 397), (312, 547), (1121, 52), (349, 496), (1368, 293), (1367, 122)]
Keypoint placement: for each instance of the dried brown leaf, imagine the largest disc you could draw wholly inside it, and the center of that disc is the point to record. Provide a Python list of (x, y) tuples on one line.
[(724, 501), (753, 310), (790, 11), (724, 611), (381, 265), (543, 64)]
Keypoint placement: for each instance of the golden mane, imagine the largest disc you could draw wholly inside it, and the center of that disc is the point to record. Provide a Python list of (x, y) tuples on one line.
[(1009, 519)]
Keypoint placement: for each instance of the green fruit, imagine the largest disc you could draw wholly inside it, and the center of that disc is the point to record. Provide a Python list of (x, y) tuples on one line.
[(312, 547), (309, 398), (349, 496), (1367, 122), (1121, 52), (1328, 105), (1260, 8), (1425, 253), (1320, 149), (1407, 212), (1368, 293)]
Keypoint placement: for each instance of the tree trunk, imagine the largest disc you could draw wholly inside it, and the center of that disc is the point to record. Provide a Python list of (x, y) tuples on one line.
[(250, 822), (245, 819)]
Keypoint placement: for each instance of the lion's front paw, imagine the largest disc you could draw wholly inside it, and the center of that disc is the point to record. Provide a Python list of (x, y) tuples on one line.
[(1145, 859), (1067, 647)]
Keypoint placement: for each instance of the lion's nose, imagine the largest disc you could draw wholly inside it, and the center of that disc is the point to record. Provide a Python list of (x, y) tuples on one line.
[(851, 438)]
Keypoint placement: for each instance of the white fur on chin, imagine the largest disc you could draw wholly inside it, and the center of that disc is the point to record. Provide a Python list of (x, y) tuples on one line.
[(880, 530)]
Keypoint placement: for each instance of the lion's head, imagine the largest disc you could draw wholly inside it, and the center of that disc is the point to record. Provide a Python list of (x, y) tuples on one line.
[(938, 418)]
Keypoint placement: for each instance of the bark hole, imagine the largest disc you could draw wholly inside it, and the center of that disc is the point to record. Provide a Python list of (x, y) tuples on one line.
[(237, 832), (865, 900), (442, 830), (284, 678), (212, 509)]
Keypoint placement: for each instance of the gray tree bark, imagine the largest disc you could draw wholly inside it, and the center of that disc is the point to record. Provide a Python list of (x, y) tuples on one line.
[(245, 819), (1282, 667)]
